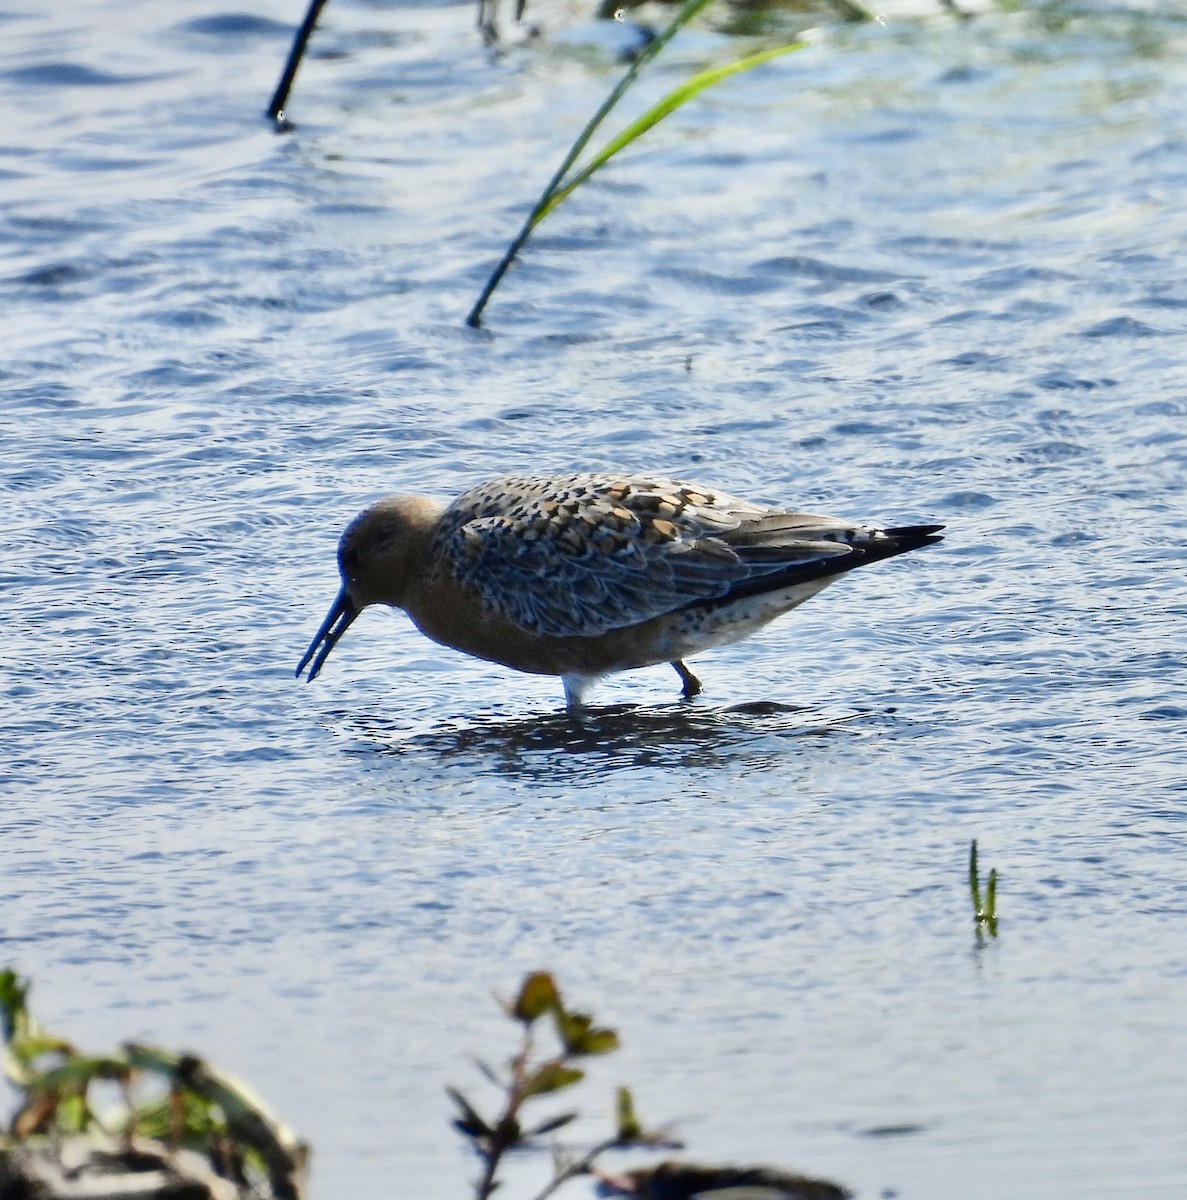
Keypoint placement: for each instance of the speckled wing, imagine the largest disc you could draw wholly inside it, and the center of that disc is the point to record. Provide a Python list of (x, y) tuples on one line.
[(581, 555)]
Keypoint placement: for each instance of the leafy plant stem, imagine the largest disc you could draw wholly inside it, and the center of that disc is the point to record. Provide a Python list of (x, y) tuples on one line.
[(505, 1133), (581, 1167), (688, 10)]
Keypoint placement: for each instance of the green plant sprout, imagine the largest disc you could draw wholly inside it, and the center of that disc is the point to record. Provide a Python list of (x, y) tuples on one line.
[(170, 1102), (185, 1129), (565, 180), (984, 909), (530, 1075)]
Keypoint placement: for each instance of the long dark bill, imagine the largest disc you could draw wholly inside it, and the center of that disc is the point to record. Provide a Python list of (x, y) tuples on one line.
[(332, 628)]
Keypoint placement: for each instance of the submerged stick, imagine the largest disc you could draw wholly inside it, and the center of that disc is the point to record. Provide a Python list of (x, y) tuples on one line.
[(281, 95)]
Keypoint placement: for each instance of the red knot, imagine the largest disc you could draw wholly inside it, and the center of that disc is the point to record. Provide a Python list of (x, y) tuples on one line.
[(584, 575)]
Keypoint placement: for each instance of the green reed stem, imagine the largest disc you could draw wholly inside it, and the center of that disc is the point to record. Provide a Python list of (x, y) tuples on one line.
[(688, 10)]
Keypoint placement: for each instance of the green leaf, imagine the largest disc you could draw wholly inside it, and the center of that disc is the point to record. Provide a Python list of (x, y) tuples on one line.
[(14, 993), (629, 1126), (251, 1128), (74, 1114), (77, 1073), (490, 1074), (194, 1118), (984, 909), (24, 1040), (596, 1041), (470, 1123), (677, 97), (537, 995), (32, 1046), (551, 1076), (852, 11), (579, 1035), (552, 1125)]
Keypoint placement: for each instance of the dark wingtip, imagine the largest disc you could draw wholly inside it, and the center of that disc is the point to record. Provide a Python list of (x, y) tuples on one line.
[(909, 537), (872, 547)]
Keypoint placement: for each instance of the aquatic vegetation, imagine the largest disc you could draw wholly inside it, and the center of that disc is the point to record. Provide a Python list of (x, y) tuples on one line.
[(486, 22), (849, 10), (563, 184), (185, 1128), (171, 1102), (531, 1074), (566, 179), (984, 907)]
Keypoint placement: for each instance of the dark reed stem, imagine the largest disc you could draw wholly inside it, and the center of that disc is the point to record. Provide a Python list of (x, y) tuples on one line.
[(281, 95)]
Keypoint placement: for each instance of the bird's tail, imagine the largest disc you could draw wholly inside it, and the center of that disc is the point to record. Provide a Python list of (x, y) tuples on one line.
[(835, 550)]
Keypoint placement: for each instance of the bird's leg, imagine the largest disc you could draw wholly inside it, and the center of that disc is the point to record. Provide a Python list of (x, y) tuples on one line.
[(692, 685), (575, 687)]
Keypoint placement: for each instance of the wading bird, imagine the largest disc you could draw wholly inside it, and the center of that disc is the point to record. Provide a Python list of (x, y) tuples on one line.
[(584, 575)]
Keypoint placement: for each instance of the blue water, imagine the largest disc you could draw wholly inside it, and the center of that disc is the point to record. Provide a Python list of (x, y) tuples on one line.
[(929, 270)]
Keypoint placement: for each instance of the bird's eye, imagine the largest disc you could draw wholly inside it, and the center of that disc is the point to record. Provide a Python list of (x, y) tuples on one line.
[(348, 561)]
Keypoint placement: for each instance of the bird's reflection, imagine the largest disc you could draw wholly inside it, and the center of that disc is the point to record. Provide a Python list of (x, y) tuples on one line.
[(617, 736)]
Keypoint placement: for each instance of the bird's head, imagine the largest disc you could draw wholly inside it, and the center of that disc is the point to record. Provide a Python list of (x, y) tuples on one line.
[(379, 557)]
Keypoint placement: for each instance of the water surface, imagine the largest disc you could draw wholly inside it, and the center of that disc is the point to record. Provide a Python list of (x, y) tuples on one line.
[(931, 270)]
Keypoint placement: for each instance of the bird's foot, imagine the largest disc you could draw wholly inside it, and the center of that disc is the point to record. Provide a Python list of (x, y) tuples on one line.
[(692, 685)]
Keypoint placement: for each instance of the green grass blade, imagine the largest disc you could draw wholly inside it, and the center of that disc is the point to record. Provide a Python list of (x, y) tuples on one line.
[(677, 97), (688, 10), (984, 908), (974, 883)]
